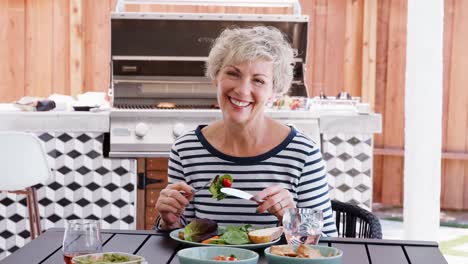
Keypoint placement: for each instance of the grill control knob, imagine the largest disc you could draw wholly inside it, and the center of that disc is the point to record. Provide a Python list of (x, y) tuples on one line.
[(178, 129), (141, 129)]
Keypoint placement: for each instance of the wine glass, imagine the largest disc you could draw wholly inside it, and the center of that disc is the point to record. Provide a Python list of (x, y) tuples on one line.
[(81, 237), (302, 225)]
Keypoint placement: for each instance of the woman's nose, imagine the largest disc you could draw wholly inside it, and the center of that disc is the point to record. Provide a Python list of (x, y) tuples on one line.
[(244, 87)]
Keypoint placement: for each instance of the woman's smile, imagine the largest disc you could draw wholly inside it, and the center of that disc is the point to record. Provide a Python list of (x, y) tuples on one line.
[(239, 103)]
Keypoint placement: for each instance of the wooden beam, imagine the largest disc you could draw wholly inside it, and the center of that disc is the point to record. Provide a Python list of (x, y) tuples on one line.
[(38, 55), (446, 155), (369, 48), (393, 126), (76, 47), (61, 48), (353, 47), (335, 49), (12, 50)]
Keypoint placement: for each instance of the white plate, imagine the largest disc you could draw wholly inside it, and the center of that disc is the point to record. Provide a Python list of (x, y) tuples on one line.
[(175, 235)]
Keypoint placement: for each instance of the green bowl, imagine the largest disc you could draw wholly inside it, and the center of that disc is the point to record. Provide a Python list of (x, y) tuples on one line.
[(205, 255), (325, 251)]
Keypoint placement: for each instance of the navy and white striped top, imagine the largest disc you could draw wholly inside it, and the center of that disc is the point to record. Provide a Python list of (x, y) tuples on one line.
[(296, 164)]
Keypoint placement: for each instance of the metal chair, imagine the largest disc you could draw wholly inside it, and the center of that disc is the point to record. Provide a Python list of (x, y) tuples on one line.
[(354, 221), (23, 164)]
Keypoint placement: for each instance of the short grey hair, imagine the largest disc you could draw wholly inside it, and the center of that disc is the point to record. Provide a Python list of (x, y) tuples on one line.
[(238, 45)]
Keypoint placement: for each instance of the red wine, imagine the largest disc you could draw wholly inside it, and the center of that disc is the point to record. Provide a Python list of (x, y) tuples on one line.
[(69, 256)]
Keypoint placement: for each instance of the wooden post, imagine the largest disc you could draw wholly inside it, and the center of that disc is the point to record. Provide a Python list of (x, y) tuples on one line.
[(76, 47), (369, 48), (423, 119)]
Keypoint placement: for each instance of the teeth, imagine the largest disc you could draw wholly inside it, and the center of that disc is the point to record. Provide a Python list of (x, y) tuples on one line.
[(239, 103)]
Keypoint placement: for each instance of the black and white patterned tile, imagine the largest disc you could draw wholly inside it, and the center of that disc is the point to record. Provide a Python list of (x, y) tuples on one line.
[(83, 184), (349, 163)]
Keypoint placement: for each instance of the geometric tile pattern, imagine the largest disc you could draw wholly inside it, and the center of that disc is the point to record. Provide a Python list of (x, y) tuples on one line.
[(83, 184), (349, 163)]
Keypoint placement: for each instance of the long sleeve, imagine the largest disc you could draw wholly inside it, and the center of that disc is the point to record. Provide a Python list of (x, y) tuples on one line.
[(176, 174), (313, 190)]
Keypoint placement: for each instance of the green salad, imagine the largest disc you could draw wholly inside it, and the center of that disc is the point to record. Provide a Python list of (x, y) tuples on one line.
[(224, 181), (104, 258)]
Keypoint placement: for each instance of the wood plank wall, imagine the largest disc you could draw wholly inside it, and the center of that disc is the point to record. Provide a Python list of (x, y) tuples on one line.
[(389, 100), (52, 46), (354, 45)]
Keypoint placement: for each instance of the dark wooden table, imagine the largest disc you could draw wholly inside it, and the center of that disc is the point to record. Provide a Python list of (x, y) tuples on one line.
[(159, 248)]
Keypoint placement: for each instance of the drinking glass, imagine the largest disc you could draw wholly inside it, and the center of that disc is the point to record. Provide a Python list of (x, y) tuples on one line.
[(81, 237), (302, 225)]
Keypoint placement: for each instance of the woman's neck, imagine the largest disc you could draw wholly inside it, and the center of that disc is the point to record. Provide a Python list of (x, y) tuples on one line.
[(242, 140)]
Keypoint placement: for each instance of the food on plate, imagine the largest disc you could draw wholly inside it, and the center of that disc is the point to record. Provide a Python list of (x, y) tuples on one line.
[(200, 229), (302, 251), (265, 235), (307, 252), (224, 181), (102, 258), (233, 235), (283, 251), (211, 240), (226, 258)]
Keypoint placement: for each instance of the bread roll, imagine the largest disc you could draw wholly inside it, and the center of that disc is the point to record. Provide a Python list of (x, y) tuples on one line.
[(265, 235)]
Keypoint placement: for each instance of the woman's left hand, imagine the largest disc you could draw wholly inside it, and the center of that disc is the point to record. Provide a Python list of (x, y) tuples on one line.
[(276, 200)]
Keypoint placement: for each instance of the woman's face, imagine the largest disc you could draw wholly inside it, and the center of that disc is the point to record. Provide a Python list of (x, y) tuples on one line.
[(243, 90)]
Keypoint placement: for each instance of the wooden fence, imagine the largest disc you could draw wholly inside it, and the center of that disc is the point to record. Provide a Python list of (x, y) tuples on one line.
[(354, 45)]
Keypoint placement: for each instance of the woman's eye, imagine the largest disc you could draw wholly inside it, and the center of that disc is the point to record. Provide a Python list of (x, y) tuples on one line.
[(258, 81), (232, 73)]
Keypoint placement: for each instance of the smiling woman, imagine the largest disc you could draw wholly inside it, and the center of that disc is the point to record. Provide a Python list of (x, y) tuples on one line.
[(277, 163)]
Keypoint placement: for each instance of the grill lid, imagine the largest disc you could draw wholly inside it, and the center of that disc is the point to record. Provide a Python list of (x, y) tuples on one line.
[(157, 36)]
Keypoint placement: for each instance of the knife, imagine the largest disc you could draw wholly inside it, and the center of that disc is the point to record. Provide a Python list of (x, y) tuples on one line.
[(240, 194)]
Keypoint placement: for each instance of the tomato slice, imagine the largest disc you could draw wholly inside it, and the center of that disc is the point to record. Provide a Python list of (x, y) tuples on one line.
[(227, 183)]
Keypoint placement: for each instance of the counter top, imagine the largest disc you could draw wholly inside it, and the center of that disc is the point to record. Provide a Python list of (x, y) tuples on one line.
[(350, 124), (62, 121), (54, 121)]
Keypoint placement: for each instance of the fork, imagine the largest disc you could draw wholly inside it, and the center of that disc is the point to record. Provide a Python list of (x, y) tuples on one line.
[(195, 190)]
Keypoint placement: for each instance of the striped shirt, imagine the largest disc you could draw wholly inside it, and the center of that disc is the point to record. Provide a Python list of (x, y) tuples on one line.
[(296, 164)]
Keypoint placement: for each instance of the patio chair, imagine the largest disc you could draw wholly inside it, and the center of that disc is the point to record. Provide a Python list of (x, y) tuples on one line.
[(23, 164), (354, 221)]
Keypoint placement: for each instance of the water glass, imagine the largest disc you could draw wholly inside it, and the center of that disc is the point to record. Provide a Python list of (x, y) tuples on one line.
[(302, 225), (81, 237)]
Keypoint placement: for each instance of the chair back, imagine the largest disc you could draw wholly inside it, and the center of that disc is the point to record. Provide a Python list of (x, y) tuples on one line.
[(23, 161), (354, 221)]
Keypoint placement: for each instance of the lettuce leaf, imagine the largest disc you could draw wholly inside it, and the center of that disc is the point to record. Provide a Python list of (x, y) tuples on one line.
[(200, 229)]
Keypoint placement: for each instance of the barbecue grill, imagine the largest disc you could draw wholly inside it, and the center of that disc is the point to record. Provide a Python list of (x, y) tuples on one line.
[(158, 88)]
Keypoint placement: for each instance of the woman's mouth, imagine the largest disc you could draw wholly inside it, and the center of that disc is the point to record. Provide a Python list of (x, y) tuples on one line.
[(239, 103)]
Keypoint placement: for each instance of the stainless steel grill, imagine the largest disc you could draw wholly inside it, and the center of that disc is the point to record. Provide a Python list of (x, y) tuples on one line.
[(159, 58)]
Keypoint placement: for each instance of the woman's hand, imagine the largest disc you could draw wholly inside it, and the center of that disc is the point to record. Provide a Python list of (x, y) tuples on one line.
[(276, 200), (171, 204)]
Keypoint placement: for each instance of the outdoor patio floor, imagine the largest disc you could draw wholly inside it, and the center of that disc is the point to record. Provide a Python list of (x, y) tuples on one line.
[(453, 233), (453, 241)]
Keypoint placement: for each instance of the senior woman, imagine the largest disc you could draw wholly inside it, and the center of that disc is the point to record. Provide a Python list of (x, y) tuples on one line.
[(277, 163)]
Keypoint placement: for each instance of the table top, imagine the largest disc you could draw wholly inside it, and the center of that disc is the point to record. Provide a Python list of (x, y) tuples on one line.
[(158, 248)]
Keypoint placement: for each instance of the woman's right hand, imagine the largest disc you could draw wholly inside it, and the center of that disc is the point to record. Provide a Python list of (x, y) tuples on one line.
[(171, 204)]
